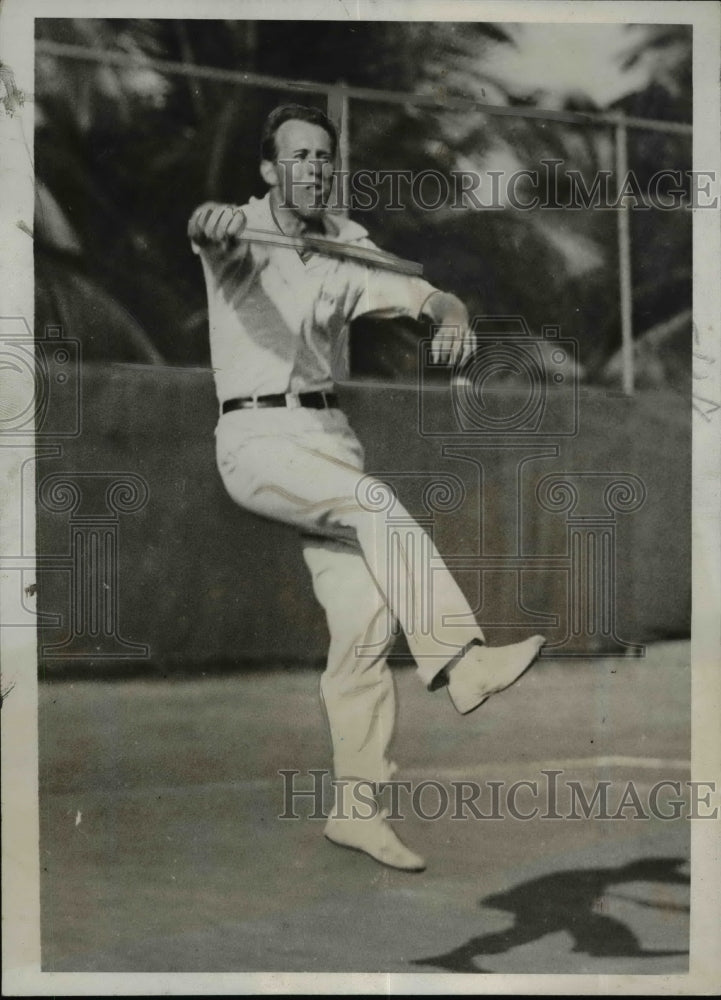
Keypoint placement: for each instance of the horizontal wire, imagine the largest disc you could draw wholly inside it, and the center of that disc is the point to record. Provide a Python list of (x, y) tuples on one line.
[(105, 56)]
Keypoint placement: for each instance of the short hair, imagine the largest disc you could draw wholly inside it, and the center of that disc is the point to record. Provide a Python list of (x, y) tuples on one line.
[(293, 112)]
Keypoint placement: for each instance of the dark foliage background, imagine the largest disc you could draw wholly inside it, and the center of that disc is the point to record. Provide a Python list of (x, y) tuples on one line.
[(123, 155)]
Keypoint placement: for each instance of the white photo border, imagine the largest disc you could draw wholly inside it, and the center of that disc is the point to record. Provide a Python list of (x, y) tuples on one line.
[(22, 975)]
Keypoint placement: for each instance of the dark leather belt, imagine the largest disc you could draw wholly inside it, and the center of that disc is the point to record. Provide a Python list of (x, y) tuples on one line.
[(313, 400)]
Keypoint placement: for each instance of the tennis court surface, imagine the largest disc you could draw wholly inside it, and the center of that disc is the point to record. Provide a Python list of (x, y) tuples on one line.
[(162, 850)]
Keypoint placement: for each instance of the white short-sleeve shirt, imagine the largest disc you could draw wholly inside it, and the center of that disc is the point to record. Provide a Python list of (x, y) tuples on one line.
[(278, 321)]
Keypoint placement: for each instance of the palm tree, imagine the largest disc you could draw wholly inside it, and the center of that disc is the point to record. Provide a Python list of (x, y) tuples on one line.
[(124, 154), (662, 260), (85, 247), (552, 266)]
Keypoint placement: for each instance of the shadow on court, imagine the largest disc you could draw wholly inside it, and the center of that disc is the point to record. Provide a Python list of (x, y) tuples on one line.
[(568, 901), (161, 847)]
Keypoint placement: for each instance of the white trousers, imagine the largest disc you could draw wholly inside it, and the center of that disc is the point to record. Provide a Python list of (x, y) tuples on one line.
[(369, 570)]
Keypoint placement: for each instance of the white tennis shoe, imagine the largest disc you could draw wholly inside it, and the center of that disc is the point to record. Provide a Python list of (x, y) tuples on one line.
[(376, 837), (486, 670)]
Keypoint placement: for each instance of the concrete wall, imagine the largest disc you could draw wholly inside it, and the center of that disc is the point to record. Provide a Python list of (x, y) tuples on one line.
[(202, 583)]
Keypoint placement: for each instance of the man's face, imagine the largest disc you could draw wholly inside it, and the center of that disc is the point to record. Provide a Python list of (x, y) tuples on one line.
[(303, 170)]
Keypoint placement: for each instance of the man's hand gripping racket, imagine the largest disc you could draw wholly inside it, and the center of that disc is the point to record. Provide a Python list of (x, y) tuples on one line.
[(453, 340), (216, 225)]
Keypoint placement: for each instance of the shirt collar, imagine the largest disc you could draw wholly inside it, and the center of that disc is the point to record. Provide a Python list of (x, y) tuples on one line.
[(337, 226)]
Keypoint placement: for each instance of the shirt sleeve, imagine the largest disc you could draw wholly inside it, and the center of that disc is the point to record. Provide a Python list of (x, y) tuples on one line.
[(379, 290)]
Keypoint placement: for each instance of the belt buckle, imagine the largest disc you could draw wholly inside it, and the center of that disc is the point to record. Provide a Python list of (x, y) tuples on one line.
[(292, 401)]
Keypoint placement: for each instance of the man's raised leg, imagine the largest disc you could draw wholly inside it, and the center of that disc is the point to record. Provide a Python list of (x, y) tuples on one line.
[(319, 489)]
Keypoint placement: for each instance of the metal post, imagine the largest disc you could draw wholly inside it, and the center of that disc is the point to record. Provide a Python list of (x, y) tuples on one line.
[(624, 260), (338, 112)]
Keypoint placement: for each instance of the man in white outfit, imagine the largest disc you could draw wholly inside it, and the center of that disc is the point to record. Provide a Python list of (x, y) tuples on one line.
[(279, 310)]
